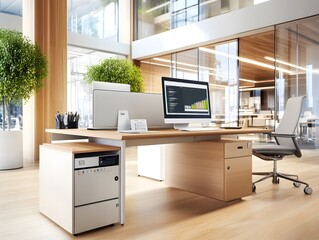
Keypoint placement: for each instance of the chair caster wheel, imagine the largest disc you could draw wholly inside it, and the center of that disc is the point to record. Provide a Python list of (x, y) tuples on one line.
[(254, 188), (307, 190), (297, 184)]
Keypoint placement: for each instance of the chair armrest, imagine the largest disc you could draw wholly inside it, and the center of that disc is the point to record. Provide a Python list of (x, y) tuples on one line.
[(292, 136), (273, 134)]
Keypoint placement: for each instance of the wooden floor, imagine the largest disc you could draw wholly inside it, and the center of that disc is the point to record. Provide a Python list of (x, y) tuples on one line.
[(155, 211)]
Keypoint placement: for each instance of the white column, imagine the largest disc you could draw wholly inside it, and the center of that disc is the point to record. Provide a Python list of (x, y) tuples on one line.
[(28, 108)]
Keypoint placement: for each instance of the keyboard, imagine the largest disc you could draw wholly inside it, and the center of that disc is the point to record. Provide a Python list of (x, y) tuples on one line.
[(131, 131), (231, 127), (199, 129)]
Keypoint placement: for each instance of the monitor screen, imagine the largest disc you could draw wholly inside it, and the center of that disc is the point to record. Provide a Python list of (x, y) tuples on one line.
[(185, 101)]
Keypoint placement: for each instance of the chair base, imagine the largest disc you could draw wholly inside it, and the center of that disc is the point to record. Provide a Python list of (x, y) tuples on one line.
[(276, 175), (275, 180)]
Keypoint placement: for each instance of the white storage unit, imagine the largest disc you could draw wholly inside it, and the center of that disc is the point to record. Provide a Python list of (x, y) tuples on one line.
[(80, 185)]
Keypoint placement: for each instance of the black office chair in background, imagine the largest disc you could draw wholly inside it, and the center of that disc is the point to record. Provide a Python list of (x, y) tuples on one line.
[(286, 144)]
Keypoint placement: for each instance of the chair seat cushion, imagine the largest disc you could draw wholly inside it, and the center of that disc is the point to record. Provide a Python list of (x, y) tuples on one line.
[(273, 149)]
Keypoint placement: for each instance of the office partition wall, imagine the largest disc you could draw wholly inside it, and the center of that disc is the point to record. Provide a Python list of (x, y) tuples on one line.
[(297, 50)]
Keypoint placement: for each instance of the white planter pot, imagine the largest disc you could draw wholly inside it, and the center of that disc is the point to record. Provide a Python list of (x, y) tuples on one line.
[(11, 149)]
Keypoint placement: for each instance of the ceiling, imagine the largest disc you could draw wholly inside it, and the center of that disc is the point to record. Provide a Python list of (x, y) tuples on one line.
[(256, 48)]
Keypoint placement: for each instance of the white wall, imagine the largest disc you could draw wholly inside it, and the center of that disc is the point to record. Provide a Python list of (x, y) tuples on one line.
[(84, 41), (124, 21), (226, 26)]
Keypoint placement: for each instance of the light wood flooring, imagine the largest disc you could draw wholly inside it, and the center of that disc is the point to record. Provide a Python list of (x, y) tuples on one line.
[(155, 211)]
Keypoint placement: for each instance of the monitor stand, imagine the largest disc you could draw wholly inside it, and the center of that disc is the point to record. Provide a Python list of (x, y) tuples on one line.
[(184, 126), (180, 126)]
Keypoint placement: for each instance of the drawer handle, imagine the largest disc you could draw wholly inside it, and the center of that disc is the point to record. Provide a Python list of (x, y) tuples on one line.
[(240, 147)]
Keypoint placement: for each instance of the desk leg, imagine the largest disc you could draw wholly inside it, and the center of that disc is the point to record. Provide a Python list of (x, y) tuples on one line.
[(122, 145)]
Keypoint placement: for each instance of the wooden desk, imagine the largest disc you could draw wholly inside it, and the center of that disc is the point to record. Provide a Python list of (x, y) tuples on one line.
[(123, 140)]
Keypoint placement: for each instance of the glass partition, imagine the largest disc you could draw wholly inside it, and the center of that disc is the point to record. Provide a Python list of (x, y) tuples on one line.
[(185, 64), (153, 70), (297, 64), (257, 84), (218, 65)]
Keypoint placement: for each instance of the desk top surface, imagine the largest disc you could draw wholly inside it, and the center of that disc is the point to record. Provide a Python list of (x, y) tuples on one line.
[(162, 133), (80, 147)]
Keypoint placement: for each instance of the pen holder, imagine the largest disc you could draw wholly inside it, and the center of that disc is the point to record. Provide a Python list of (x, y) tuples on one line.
[(72, 125)]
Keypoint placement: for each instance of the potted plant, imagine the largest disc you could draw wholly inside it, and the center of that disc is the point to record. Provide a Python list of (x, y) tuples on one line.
[(22, 70), (116, 70)]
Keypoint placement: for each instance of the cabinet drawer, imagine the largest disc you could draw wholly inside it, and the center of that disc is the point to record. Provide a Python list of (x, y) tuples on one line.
[(96, 184), (237, 149), (96, 215)]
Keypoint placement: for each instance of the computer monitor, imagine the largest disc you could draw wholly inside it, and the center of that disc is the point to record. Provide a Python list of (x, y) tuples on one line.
[(185, 101)]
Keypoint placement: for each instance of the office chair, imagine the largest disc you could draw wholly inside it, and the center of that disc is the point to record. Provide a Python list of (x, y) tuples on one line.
[(286, 144)]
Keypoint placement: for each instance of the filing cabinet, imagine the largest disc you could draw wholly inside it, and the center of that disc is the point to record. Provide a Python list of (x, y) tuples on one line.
[(79, 185), (220, 169)]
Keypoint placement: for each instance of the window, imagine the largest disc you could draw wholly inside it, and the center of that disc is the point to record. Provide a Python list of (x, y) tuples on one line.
[(94, 18), (79, 91), (151, 17)]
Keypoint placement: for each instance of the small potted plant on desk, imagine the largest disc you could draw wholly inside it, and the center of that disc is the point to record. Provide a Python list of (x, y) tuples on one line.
[(22, 69)]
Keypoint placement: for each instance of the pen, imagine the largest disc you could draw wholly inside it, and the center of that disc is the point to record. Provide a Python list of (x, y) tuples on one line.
[(65, 120)]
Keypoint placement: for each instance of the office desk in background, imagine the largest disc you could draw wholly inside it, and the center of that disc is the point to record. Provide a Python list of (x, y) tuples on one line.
[(167, 136), (308, 129)]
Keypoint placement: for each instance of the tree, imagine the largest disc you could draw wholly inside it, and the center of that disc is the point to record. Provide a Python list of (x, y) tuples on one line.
[(22, 69)]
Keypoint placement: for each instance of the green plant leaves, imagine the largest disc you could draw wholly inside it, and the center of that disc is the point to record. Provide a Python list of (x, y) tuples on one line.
[(116, 70), (22, 67)]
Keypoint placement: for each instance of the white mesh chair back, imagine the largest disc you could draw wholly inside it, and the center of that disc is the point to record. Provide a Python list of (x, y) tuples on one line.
[(290, 120)]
